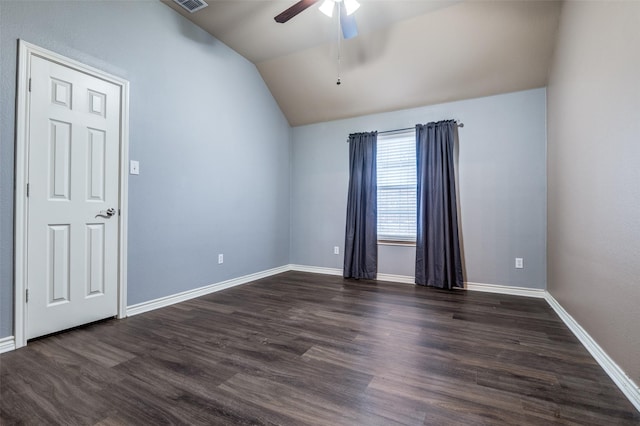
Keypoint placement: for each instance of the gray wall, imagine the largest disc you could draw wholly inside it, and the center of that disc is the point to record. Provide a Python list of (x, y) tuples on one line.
[(594, 174), (502, 175), (212, 143)]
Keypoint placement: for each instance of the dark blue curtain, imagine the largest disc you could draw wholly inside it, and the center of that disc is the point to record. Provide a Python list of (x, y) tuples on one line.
[(361, 234), (438, 261)]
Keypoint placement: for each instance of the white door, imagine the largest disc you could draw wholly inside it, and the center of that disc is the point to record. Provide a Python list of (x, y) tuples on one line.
[(73, 192)]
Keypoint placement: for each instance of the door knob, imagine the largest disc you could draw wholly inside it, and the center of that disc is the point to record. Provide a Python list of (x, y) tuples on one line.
[(107, 213)]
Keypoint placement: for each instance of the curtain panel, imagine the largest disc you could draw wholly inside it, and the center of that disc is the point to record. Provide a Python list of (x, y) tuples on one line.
[(361, 235), (438, 260)]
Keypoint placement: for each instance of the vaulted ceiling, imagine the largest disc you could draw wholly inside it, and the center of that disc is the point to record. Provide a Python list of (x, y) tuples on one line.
[(407, 53)]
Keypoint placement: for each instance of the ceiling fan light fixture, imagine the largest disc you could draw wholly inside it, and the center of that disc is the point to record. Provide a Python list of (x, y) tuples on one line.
[(351, 6), (327, 7)]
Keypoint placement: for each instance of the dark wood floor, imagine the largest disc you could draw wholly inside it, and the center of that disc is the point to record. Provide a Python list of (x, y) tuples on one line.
[(300, 348)]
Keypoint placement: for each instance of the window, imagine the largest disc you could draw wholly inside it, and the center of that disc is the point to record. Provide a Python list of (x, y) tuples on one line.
[(397, 186)]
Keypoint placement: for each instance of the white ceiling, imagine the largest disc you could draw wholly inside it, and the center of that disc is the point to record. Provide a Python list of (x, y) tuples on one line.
[(407, 53)]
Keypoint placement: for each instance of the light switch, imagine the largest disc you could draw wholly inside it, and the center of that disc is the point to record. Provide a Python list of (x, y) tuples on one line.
[(134, 167)]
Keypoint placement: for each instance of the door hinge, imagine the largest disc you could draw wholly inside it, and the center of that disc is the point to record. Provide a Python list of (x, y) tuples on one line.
[(29, 83), (119, 213), (27, 295), (27, 190)]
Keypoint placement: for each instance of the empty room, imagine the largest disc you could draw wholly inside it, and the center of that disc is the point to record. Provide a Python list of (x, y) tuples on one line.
[(319, 212)]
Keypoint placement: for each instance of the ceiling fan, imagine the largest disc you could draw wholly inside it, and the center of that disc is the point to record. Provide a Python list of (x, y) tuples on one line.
[(345, 12)]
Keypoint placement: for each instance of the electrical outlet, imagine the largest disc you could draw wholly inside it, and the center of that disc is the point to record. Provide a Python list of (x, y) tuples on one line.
[(220, 258), (336, 250), (519, 263), (134, 167)]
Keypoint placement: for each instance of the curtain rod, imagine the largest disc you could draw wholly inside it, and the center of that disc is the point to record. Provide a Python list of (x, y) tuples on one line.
[(458, 123)]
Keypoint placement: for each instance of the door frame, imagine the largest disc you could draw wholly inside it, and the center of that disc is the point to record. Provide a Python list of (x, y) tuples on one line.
[(25, 52)]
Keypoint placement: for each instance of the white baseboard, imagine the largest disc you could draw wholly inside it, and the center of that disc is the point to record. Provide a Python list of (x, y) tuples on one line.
[(7, 344), (405, 279), (505, 289), (402, 279), (150, 305), (316, 269), (624, 382)]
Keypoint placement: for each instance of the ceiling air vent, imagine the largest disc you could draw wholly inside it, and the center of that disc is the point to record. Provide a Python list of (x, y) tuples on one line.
[(192, 5)]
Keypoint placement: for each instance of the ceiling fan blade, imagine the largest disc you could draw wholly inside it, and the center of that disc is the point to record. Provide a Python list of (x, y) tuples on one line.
[(347, 23), (294, 10)]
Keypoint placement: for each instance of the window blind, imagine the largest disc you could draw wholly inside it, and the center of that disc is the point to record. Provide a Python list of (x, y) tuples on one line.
[(397, 186)]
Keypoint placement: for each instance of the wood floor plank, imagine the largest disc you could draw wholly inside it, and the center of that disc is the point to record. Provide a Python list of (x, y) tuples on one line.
[(300, 348)]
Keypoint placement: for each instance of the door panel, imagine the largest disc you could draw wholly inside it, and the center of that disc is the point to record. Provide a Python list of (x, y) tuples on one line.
[(95, 259), (95, 162), (58, 262), (60, 160), (73, 157)]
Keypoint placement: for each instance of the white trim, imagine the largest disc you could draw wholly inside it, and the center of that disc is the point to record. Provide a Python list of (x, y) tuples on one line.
[(505, 289), (124, 199), (403, 279), (628, 387), (408, 279), (316, 269), (624, 382), (397, 243), (7, 344), (162, 302), (20, 199), (26, 50)]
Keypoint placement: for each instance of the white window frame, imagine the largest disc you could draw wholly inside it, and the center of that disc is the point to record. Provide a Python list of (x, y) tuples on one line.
[(391, 167)]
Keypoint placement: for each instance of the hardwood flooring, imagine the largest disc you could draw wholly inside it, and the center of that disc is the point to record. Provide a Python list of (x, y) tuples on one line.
[(300, 348)]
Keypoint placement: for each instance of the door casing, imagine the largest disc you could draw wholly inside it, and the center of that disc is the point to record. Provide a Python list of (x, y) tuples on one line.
[(25, 52)]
